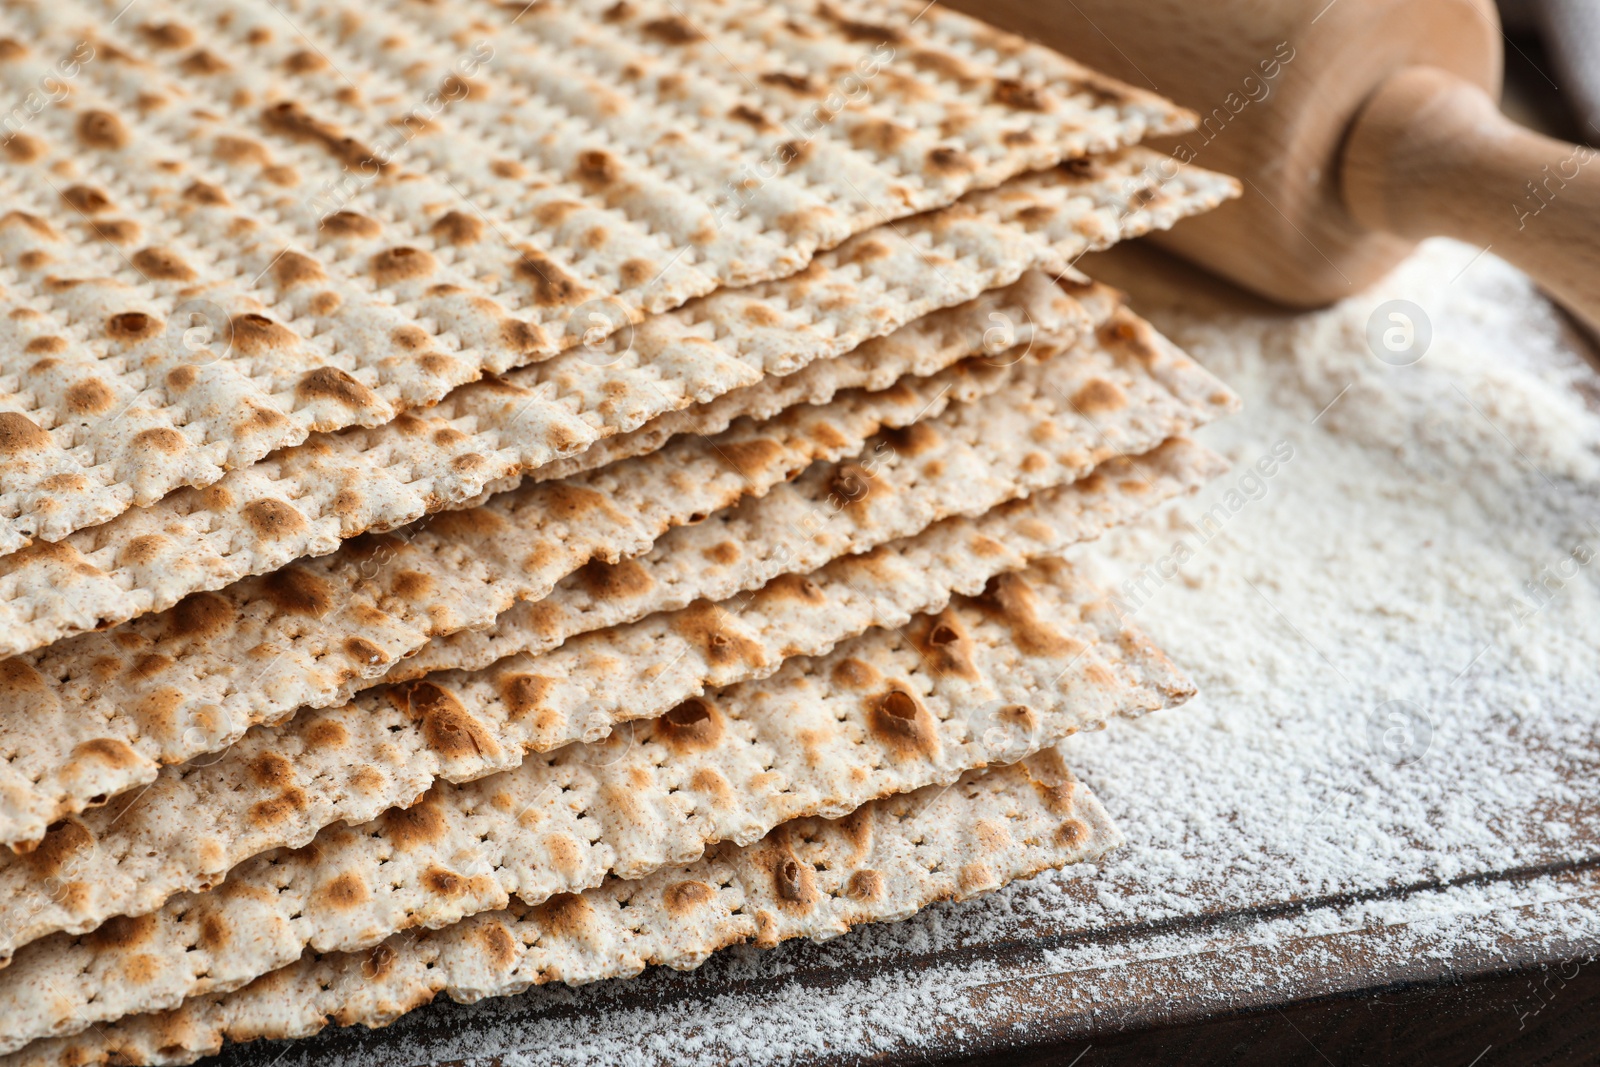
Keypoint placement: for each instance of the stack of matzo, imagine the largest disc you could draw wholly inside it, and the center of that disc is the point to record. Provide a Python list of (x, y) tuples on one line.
[(498, 494)]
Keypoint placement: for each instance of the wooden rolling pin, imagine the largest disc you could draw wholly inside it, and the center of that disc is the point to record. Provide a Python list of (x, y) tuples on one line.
[(1359, 127)]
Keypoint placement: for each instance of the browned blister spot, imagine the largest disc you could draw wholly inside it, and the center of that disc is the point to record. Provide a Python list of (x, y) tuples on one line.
[(636, 272), (157, 712), (551, 285), (793, 882), (163, 263), (709, 628), (1008, 92), (32, 222), (945, 161), (102, 129), (202, 62), (364, 652), (898, 721), (945, 66), (167, 34), (555, 212), (880, 136), (255, 334), (17, 675), (469, 523), (447, 727), (444, 883), (571, 502), (110, 751), (975, 876), (1009, 598), (710, 781), (116, 231), (564, 915), (865, 32), (86, 198), (199, 192), (852, 673), (122, 933), (65, 483), (402, 264), (48, 345), (615, 581), (19, 434), (411, 585), (794, 587), (564, 853), (60, 845), (215, 933), (90, 396), (350, 224), (331, 383), (693, 726), (291, 120), (672, 30), (759, 314), (1097, 396), (681, 898), (457, 228), (525, 694), (794, 153), (420, 825), (453, 87), (914, 440), (240, 150), (132, 326), (596, 169), (852, 485), (296, 591), (326, 733), (272, 519), (752, 457), (344, 891), (945, 645), (497, 943), (795, 83), (297, 268), (865, 251), (23, 148), (304, 61), (143, 551), (751, 117), (149, 666), (181, 378), (866, 886), (1072, 833), (272, 770)]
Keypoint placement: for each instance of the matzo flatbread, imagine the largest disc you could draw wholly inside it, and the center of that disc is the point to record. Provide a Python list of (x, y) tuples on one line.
[(1140, 391), (813, 878), (305, 500), (995, 321), (372, 227), (193, 826), (1038, 656), (315, 633)]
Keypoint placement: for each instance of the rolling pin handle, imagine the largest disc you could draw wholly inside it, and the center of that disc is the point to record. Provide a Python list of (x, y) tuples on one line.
[(1430, 153)]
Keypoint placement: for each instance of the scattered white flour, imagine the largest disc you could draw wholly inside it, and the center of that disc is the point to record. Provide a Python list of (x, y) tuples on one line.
[(1418, 546)]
